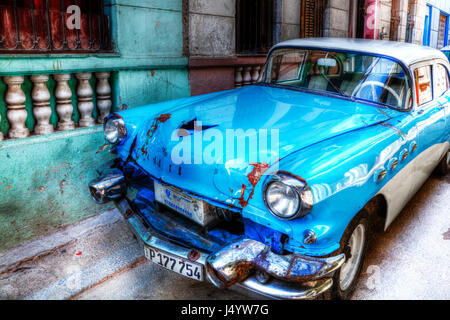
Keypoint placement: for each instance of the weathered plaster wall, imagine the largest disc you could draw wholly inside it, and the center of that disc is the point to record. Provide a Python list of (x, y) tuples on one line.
[(290, 25), (212, 28), (336, 20), (43, 178), (399, 12), (385, 19)]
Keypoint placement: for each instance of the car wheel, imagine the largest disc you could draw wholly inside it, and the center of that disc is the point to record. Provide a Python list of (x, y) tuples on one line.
[(354, 245), (444, 166)]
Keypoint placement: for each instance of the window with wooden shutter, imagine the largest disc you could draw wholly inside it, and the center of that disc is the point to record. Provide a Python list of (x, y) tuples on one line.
[(443, 29), (312, 18), (254, 20)]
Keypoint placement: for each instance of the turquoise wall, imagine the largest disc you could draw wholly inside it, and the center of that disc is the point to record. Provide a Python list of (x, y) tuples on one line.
[(43, 178)]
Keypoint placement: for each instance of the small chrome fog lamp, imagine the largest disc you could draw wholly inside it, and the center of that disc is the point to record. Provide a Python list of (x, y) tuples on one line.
[(114, 129)]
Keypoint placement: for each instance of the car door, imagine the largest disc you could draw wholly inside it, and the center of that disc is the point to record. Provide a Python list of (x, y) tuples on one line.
[(430, 121), (442, 86)]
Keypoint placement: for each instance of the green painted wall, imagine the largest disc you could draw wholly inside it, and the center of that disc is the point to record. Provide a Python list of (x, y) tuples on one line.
[(43, 178)]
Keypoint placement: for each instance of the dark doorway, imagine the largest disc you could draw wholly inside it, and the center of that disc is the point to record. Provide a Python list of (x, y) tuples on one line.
[(357, 15)]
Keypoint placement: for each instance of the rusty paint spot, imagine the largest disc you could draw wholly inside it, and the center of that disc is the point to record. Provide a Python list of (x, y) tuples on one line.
[(446, 235), (257, 172), (152, 72), (242, 201), (253, 177), (103, 147), (120, 103), (128, 214), (41, 188), (78, 253), (193, 255), (399, 132), (383, 112), (161, 119), (9, 187), (61, 185)]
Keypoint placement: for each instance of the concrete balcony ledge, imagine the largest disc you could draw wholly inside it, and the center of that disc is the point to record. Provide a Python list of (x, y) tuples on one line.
[(51, 64), (37, 139)]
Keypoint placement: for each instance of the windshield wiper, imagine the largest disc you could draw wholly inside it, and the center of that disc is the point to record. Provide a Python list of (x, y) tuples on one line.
[(336, 88)]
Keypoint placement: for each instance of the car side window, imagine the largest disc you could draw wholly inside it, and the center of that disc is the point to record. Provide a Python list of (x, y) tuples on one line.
[(441, 84), (423, 84)]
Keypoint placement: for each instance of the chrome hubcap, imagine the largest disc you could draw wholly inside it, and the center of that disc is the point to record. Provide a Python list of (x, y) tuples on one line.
[(350, 267)]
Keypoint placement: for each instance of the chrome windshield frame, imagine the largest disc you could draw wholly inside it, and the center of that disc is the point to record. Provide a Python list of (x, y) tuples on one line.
[(406, 70)]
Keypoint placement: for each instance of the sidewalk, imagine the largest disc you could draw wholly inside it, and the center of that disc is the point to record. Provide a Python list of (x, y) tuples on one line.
[(99, 258)]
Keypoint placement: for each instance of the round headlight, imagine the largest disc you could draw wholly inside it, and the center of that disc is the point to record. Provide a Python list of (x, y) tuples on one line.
[(282, 199), (287, 197), (114, 129)]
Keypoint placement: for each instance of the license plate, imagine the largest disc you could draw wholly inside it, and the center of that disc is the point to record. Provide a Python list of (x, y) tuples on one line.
[(174, 263), (177, 200)]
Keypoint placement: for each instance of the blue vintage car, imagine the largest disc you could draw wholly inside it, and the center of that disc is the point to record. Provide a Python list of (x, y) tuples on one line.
[(276, 187)]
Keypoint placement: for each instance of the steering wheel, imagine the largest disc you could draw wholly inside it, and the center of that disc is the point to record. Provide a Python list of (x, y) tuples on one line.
[(374, 84)]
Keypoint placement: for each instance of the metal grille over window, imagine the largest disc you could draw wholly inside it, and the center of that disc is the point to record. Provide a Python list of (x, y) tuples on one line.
[(54, 26), (254, 26)]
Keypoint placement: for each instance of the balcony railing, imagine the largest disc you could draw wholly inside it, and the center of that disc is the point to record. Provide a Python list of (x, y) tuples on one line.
[(28, 26), (247, 74), (18, 114)]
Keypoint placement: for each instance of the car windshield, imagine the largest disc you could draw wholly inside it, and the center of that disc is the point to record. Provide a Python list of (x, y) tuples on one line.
[(354, 75)]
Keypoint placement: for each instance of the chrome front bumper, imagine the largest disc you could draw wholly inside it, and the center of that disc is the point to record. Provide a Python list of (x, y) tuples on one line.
[(293, 276)]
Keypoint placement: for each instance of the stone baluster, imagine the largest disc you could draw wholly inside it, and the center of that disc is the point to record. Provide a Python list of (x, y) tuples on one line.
[(64, 107), (103, 91), (16, 112), (238, 77), (41, 104), (247, 78), (255, 73), (85, 104)]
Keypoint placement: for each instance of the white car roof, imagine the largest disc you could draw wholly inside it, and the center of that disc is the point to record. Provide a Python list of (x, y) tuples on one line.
[(407, 53)]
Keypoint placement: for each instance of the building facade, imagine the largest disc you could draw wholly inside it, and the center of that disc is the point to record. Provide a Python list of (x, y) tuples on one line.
[(226, 41), (56, 85)]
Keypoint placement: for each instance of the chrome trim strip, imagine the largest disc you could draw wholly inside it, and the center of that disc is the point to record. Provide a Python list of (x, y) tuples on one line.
[(403, 186)]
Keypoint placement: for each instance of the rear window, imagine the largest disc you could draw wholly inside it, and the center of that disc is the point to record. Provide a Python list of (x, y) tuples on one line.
[(423, 84), (441, 80)]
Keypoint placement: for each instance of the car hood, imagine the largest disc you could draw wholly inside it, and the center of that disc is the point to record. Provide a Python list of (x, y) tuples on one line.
[(299, 119)]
